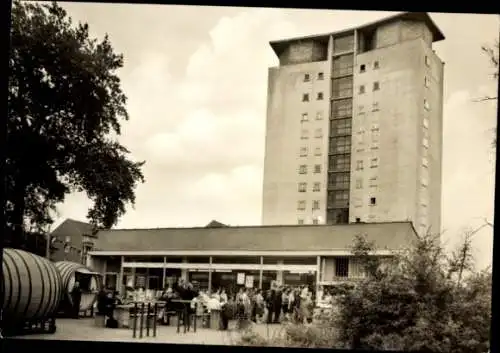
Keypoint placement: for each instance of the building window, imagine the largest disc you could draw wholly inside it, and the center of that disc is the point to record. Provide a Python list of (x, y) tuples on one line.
[(315, 205), (342, 108), (342, 87), (345, 43), (373, 182), (300, 221), (317, 168), (319, 115), (339, 181), (375, 107), (342, 267), (317, 151), (307, 78), (375, 127), (341, 144), (320, 76), (343, 65), (425, 162), (374, 145), (316, 187), (339, 196), (305, 97), (340, 127), (376, 65), (373, 201), (426, 81), (426, 123), (427, 61), (361, 89), (304, 135), (315, 221), (359, 183), (303, 169), (320, 96), (339, 163), (376, 86), (318, 133), (303, 151), (302, 187), (359, 165), (362, 68), (427, 105), (374, 163), (305, 117), (301, 205), (361, 109)]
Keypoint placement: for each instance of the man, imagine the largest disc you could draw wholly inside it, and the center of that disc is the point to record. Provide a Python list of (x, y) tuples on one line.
[(277, 304), (76, 296), (270, 302)]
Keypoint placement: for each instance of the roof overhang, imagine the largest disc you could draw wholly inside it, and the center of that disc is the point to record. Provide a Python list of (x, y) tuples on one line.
[(280, 45), (437, 35), (284, 253)]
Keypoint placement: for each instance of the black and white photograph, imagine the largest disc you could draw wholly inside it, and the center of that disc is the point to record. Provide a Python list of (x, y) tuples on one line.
[(247, 176)]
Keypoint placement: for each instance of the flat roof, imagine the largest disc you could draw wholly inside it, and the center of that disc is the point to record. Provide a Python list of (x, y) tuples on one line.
[(391, 236), (280, 45)]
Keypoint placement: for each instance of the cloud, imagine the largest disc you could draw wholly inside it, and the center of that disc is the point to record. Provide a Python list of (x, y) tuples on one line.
[(230, 71)]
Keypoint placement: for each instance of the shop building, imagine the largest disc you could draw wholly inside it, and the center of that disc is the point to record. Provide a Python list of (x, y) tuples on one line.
[(230, 256)]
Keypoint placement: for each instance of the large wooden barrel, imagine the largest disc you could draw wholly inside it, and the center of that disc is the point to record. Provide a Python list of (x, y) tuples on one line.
[(69, 271), (31, 284)]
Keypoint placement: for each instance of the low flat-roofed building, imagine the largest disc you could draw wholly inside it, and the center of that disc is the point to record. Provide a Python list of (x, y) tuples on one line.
[(250, 255)]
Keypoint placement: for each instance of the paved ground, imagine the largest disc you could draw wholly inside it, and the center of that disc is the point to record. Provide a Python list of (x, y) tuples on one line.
[(84, 329)]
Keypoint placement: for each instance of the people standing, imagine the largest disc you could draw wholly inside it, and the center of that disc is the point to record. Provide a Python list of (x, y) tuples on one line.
[(270, 299), (285, 302), (277, 305), (76, 296)]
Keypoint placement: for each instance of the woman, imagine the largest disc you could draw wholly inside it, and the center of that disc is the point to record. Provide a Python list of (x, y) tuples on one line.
[(309, 308), (259, 306), (223, 296), (285, 302)]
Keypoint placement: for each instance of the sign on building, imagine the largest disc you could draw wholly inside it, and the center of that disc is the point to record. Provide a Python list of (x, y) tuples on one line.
[(240, 278)]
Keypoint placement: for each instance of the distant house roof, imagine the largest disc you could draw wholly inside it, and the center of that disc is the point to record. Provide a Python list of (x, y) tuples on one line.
[(279, 45), (389, 236), (215, 224), (71, 226)]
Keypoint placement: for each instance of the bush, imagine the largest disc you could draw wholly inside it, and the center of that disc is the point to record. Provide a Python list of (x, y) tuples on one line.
[(425, 301)]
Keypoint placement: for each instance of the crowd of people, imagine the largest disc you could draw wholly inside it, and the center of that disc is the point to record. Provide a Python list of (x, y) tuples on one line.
[(275, 305), (278, 304)]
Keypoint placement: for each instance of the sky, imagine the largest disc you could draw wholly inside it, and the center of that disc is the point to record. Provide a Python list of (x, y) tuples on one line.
[(196, 81)]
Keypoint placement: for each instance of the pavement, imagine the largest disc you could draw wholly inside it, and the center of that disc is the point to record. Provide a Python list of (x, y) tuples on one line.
[(85, 330)]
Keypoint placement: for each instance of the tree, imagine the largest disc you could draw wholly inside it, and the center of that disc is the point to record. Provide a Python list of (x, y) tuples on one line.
[(65, 107), (492, 52), (416, 304)]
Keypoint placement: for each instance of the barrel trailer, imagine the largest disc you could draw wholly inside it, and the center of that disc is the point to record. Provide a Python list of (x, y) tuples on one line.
[(36, 291)]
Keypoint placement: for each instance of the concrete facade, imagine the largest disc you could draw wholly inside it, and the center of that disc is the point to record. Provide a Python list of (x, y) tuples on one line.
[(390, 84)]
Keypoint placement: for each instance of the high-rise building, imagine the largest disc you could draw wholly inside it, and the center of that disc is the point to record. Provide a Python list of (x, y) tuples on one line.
[(354, 126)]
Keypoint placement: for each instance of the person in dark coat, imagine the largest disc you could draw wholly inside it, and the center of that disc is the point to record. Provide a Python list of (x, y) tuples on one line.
[(76, 296), (270, 300), (101, 302), (277, 305)]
